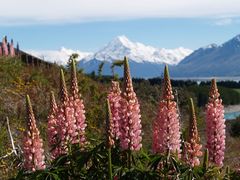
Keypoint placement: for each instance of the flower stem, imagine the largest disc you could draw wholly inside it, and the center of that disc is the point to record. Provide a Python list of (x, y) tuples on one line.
[(110, 164), (129, 159)]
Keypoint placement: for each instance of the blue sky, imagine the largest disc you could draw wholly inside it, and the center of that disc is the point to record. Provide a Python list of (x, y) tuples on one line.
[(169, 33), (93, 24)]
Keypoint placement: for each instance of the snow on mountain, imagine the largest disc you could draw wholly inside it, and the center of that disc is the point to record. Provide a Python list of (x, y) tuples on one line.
[(147, 61), (121, 46), (210, 46), (58, 56)]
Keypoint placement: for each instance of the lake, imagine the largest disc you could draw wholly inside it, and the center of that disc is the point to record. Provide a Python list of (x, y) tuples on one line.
[(226, 78), (231, 115), (227, 115)]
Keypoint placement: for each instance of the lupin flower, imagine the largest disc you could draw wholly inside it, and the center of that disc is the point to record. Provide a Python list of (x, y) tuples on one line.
[(130, 138), (78, 107), (67, 127), (109, 138), (53, 128), (166, 127), (1, 51), (32, 143), (215, 126), (17, 49), (12, 50), (192, 148), (114, 97), (109, 127), (4, 46)]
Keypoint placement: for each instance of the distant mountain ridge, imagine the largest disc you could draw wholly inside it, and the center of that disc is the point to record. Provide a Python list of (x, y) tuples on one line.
[(145, 61), (212, 60), (121, 46), (60, 56), (116, 49)]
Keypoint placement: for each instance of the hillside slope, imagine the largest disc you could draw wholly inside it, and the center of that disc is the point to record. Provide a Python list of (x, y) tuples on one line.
[(18, 79)]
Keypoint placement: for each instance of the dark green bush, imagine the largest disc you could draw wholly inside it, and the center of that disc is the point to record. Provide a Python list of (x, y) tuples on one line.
[(235, 128)]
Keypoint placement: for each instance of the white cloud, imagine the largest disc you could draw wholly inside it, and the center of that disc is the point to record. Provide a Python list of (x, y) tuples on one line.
[(14, 12), (224, 22), (57, 56)]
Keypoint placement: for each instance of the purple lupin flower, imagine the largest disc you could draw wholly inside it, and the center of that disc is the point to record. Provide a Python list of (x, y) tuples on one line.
[(166, 127), (130, 128), (192, 147), (114, 98), (78, 107), (215, 126), (32, 143)]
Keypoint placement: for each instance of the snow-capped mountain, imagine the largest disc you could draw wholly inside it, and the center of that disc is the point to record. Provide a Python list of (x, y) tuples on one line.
[(121, 46), (145, 61), (212, 60), (58, 56)]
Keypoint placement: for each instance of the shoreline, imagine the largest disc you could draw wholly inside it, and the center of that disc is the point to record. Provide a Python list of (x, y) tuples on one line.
[(232, 108)]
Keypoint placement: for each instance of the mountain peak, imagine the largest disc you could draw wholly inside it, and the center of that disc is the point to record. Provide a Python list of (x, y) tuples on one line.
[(121, 41), (233, 44), (237, 38), (121, 46)]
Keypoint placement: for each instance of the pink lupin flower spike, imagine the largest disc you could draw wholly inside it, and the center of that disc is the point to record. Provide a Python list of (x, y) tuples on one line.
[(130, 128), (67, 127), (12, 50), (114, 98), (32, 143), (110, 142), (215, 126), (166, 127), (192, 148), (4, 46), (79, 109), (1, 51), (53, 128)]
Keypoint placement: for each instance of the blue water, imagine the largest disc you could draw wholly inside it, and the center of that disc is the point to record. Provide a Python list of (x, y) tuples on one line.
[(232, 115), (225, 78)]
